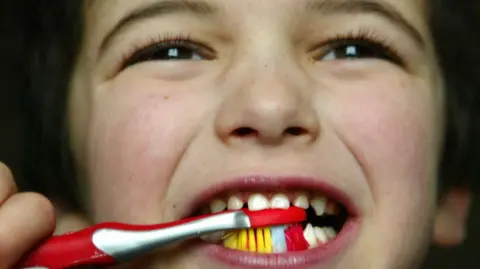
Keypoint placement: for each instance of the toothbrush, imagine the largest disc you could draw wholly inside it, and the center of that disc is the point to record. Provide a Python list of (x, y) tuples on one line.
[(113, 243)]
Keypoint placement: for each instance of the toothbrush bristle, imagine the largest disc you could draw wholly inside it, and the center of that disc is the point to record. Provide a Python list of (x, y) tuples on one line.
[(295, 239), (278, 239)]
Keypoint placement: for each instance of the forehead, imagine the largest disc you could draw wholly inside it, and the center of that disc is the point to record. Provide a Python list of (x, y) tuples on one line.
[(105, 17), (113, 10), (279, 3)]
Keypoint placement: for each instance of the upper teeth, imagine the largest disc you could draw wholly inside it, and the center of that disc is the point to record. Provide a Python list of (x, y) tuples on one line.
[(257, 201), (280, 201), (319, 204), (235, 203), (301, 201), (217, 206), (331, 208)]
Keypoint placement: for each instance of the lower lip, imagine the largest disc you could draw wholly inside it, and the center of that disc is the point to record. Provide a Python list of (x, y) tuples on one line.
[(298, 260)]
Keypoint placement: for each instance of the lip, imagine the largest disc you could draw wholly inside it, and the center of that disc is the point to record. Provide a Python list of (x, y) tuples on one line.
[(268, 183), (318, 256)]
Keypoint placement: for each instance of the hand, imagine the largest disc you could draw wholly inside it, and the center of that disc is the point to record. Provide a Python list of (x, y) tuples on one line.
[(25, 219)]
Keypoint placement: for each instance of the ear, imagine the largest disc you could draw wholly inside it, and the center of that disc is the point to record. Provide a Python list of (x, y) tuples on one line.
[(70, 222), (451, 218)]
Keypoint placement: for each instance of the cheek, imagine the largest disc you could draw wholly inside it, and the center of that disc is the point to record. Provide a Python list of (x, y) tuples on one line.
[(393, 132), (393, 140), (137, 135), (391, 136)]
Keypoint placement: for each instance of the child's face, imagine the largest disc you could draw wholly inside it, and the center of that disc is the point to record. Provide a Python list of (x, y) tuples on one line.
[(271, 96)]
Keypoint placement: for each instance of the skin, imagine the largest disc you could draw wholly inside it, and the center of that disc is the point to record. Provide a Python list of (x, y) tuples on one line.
[(150, 137)]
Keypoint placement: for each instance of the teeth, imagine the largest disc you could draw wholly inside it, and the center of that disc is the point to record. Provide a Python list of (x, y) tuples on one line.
[(319, 204), (280, 201), (234, 203), (301, 201), (330, 232), (321, 235), (309, 234), (258, 202), (332, 208), (217, 206)]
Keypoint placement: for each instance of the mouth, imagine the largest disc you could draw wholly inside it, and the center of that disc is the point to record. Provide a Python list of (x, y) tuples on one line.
[(331, 224)]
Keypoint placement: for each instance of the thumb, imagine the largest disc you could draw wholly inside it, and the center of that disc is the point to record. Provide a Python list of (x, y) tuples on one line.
[(25, 220)]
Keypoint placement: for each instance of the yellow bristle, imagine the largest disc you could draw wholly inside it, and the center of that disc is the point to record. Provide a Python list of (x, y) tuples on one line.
[(242, 240), (252, 244), (231, 241), (260, 241), (254, 240), (267, 234)]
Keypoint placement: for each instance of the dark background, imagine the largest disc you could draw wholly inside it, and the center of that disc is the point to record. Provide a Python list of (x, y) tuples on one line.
[(12, 129)]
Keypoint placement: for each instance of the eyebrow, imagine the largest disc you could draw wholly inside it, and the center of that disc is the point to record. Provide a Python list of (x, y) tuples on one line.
[(367, 6), (202, 9), (166, 7)]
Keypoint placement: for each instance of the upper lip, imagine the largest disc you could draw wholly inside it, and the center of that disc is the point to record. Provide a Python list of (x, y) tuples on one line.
[(259, 183)]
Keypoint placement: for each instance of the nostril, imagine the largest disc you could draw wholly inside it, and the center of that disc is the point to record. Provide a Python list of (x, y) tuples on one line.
[(295, 131), (245, 131)]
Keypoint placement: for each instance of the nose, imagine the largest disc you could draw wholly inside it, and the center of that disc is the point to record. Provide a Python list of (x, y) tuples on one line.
[(272, 110)]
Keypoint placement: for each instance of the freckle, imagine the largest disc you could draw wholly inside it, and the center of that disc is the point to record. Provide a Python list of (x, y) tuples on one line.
[(166, 97), (174, 206)]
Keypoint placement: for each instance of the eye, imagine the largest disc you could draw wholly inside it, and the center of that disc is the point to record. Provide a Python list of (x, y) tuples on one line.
[(177, 50), (357, 50)]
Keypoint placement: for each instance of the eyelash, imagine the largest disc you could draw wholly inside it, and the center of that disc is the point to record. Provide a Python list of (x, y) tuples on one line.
[(363, 37), (165, 40)]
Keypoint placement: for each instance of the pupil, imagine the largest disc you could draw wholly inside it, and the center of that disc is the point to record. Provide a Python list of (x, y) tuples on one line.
[(175, 53), (351, 52), (354, 52), (172, 53)]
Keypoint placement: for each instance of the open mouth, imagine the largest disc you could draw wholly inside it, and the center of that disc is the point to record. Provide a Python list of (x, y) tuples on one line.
[(331, 226), (325, 219)]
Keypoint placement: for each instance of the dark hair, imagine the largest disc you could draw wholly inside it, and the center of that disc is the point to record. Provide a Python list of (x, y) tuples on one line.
[(52, 35)]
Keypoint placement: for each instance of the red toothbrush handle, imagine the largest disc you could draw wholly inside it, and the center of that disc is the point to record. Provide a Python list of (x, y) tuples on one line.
[(69, 250), (77, 249)]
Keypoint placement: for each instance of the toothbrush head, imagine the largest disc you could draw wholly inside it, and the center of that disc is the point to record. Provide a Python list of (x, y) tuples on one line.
[(275, 217)]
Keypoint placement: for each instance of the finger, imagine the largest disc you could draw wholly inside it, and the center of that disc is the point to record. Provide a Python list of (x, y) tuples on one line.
[(7, 184), (25, 219)]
